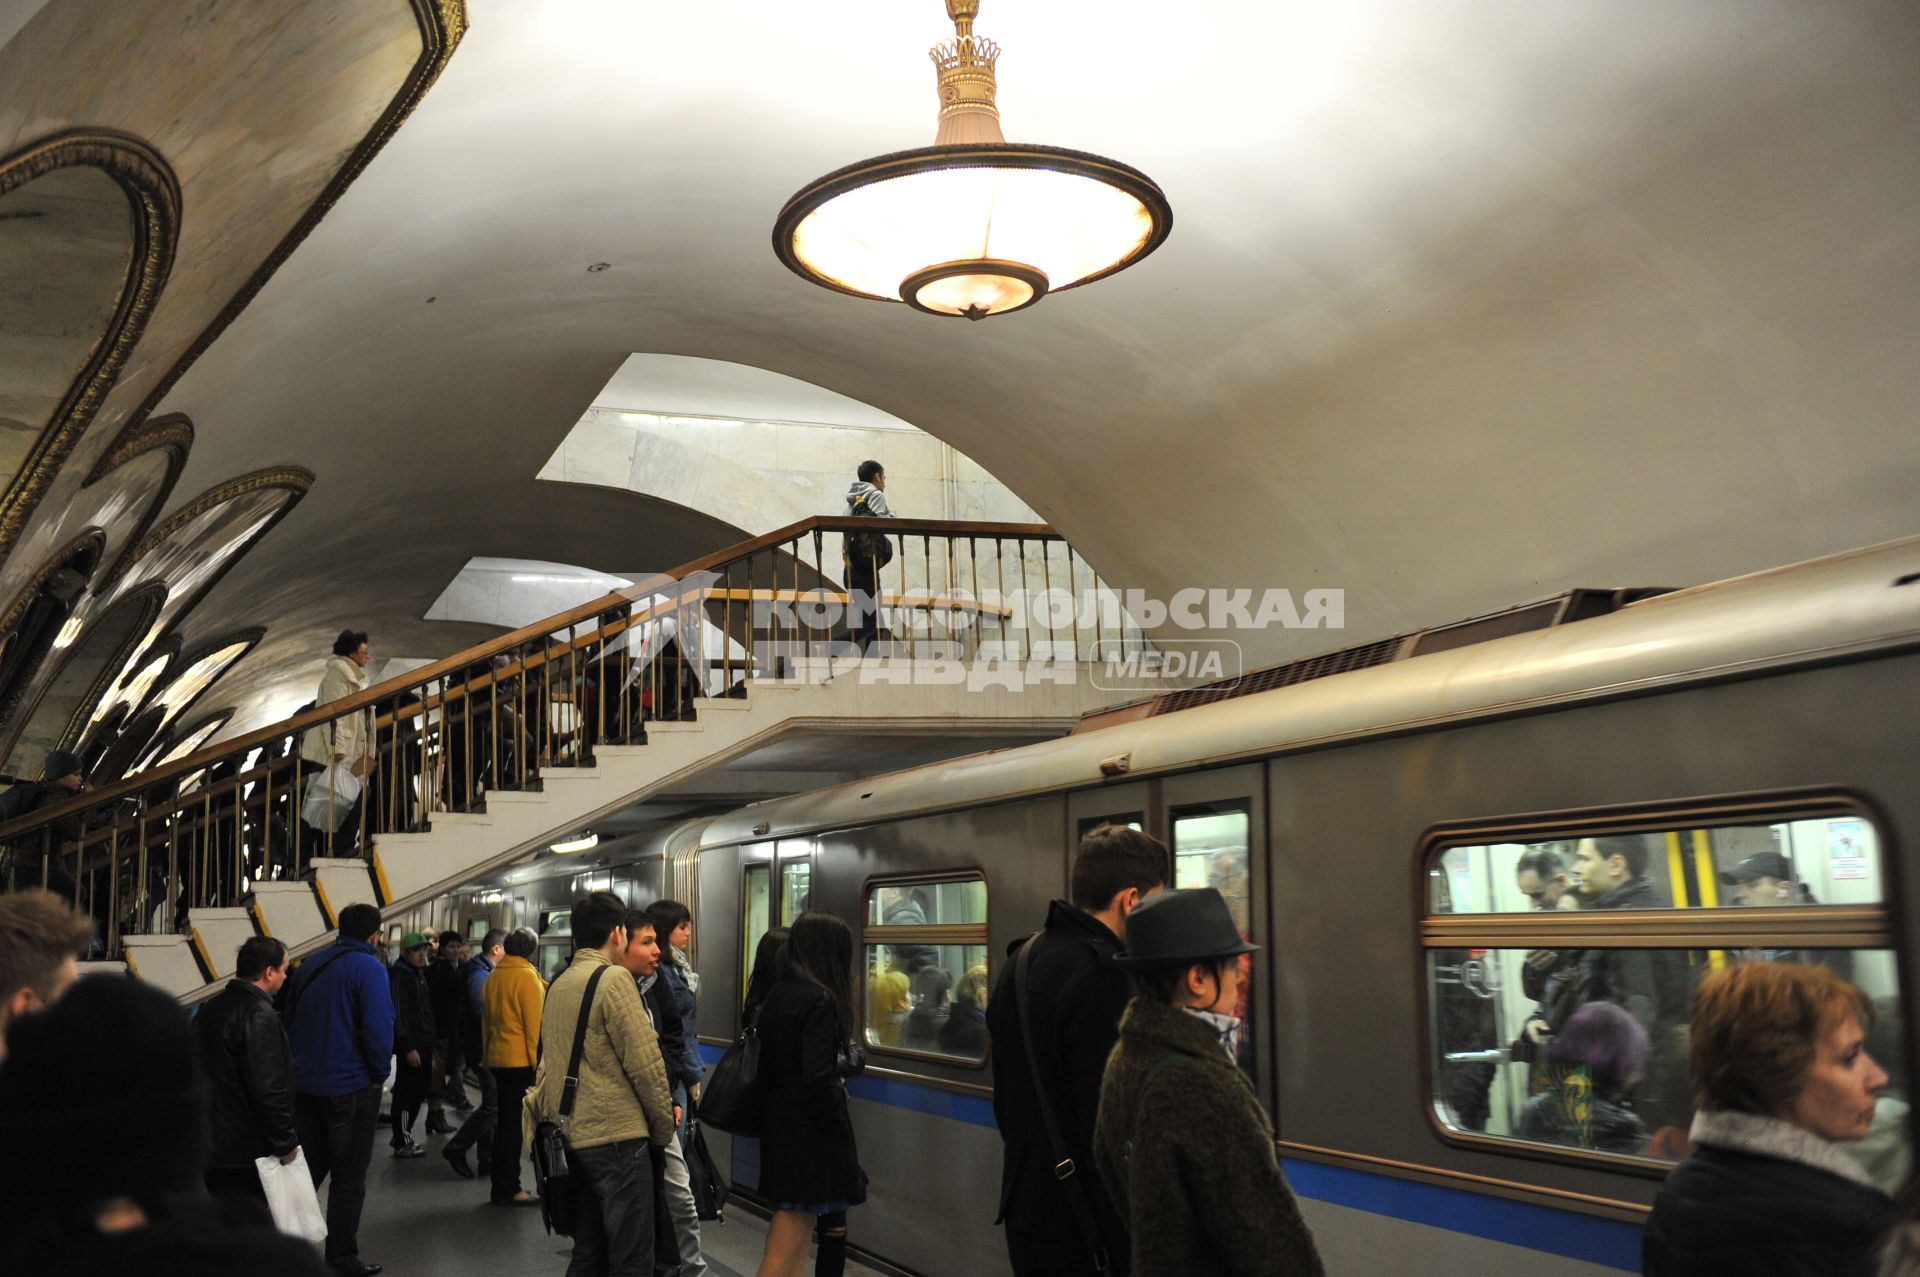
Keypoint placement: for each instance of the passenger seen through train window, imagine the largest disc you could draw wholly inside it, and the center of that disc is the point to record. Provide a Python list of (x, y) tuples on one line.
[(926, 997)]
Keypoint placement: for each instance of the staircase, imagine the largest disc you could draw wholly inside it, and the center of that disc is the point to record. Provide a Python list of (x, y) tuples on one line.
[(879, 695)]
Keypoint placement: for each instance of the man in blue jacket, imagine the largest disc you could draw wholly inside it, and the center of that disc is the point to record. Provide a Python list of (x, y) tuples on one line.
[(340, 1021)]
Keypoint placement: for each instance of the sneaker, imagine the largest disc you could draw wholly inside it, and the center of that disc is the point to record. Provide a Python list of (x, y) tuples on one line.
[(409, 1149)]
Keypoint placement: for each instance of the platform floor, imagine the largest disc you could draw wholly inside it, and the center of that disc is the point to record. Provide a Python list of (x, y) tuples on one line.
[(422, 1220)]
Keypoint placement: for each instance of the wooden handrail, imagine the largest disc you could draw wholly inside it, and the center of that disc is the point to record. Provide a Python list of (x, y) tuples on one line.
[(300, 723)]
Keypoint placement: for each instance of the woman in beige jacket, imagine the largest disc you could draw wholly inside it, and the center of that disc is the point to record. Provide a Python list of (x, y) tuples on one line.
[(349, 738)]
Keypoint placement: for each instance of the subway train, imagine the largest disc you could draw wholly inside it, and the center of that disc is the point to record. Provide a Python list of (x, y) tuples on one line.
[(1368, 828)]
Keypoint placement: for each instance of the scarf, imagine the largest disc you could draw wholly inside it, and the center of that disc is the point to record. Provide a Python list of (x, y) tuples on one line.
[(1225, 1027)]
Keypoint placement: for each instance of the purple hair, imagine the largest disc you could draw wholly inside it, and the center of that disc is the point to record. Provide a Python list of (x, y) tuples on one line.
[(1607, 1041)]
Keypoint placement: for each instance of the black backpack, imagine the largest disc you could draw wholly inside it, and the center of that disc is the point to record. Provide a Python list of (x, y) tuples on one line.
[(868, 547), (710, 1190)]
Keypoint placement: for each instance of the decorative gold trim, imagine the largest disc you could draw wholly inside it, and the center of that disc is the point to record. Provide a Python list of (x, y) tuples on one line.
[(442, 23), (172, 430), (295, 479), (24, 595), (154, 194)]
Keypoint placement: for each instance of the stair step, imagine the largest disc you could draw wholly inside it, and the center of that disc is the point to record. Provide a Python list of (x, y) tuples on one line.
[(101, 968), (669, 729), (569, 773), (701, 704), (165, 962), (289, 911), (510, 796), (459, 819)]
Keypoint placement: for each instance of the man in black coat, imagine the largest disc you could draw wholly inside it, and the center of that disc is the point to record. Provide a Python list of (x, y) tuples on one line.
[(447, 990), (1075, 997), (249, 1068), (413, 1034)]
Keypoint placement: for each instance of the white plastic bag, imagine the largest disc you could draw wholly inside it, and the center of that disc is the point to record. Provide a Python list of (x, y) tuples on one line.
[(330, 796), (290, 1196)]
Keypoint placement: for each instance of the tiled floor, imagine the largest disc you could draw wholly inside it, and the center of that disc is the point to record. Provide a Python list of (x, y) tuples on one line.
[(422, 1220)]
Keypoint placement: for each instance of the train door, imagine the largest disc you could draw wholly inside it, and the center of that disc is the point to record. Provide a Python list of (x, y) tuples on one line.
[(757, 903), (1091, 808), (1214, 827), (796, 879)]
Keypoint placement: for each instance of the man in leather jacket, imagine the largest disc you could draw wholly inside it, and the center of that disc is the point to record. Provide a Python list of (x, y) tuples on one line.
[(1075, 999), (249, 1068)]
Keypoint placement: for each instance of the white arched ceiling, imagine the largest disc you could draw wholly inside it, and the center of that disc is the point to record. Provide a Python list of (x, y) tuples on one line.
[(1465, 301)]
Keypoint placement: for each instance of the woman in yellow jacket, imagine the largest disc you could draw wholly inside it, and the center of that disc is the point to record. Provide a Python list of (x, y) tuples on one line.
[(510, 1007)]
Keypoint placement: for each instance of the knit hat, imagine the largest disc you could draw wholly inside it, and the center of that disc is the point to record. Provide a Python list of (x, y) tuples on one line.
[(101, 1096), (1179, 928)]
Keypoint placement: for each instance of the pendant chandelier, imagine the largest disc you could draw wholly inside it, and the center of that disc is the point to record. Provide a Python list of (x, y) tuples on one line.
[(971, 225)]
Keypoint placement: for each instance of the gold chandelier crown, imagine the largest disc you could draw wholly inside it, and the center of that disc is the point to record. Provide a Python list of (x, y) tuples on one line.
[(964, 71)]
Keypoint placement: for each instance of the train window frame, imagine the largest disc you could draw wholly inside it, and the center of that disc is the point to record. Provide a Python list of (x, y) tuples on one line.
[(1242, 806), (1849, 927), (968, 933), (748, 941)]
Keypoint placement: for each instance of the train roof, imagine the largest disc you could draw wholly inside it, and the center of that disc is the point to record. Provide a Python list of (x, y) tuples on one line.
[(1842, 606)]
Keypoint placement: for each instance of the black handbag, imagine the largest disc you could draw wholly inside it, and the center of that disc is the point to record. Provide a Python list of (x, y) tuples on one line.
[(553, 1169), (710, 1190), (733, 1100)]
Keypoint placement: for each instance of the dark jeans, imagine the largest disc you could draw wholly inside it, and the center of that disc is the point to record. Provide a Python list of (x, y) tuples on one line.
[(612, 1188), (410, 1085), (337, 1133), (478, 1128), (863, 607), (511, 1085)]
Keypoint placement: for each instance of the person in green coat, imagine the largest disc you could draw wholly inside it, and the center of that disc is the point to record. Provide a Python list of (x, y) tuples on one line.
[(1181, 1142)]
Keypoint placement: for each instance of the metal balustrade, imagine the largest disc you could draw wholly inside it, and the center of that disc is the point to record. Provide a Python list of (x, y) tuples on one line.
[(200, 831)]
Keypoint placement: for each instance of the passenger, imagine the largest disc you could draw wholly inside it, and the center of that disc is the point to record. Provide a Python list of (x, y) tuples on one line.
[(447, 992), (103, 1116), (513, 1008), (340, 1022), (348, 739), (1764, 881), (930, 1010), (965, 1032), (39, 857), (249, 1069), (1593, 1063), (809, 1167), (1780, 1076), (673, 924), (1182, 1143), (621, 1107), (41, 940), (477, 1131), (1063, 1226), (865, 553), (1649, 984), (644, 959), (413, 1034), (1551, 977), (890, 1002)]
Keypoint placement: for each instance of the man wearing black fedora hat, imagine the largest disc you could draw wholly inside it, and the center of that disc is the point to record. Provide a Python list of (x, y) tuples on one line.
[(1182, 1144)]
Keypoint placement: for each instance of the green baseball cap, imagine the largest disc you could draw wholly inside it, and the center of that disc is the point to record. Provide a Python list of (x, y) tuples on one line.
[(414, 940)]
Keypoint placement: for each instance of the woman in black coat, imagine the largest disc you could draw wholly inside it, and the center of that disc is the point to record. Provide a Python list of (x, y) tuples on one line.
[(809, 1169), (1782, 1078)]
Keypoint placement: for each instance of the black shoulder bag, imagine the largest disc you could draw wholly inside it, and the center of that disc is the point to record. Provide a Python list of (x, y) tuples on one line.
[(1064, 1168), (732, 1099), (552, 1159)]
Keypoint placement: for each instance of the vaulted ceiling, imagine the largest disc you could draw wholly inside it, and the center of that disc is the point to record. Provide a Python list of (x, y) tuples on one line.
[(1466, 301)]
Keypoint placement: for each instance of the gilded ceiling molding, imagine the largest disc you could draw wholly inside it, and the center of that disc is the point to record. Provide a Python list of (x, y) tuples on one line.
[(93, 539), (442, 23), (173, 431), (146, 602), (154, 195), (294, 479)]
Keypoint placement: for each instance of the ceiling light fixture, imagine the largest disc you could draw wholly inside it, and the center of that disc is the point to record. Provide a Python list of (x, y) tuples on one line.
[(579, 842), (971, 225)]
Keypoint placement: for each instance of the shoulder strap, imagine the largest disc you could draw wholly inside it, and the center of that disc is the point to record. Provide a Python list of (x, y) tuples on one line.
[(1064, 1169), (572, 1084), (308, 977)]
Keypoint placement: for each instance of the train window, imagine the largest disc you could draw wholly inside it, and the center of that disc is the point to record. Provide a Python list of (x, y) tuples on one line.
[(926, 967), (756, 902), (796, 888), (1824, 860), (1210, 848), (1565, 1024)]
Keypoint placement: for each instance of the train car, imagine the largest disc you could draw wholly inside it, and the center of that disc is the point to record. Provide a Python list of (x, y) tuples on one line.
[(1368, 828)]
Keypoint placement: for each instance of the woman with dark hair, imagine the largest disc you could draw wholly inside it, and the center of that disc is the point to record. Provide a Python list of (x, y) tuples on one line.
[(1593, 1062), (1781, 1079), (348, 739), (769, 959), (809, 1168)]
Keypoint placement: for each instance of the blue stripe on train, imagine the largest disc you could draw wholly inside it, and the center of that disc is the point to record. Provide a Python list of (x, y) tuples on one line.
[(1610, 1243)]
